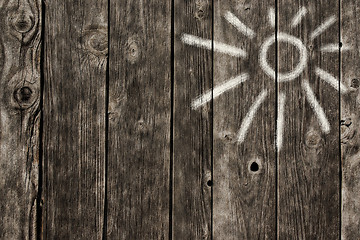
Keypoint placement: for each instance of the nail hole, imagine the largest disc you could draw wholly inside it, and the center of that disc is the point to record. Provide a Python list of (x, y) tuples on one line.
[(341, 44), (209, 183), (254, 167)]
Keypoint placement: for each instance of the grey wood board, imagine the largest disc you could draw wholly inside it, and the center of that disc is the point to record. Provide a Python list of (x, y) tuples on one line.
[(139, 120), (192, 127), (350, 38), (145, 119), (75, 60), (309, 161), (20, 47), (244, 147)]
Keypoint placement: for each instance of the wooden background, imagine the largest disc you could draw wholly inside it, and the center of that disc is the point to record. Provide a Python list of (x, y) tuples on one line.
[(98, 139)]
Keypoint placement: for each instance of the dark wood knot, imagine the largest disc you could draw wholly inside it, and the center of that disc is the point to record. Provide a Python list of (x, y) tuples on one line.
[(313, 139), (96, 41), (132, 51), (202, 10), (355, 83), (23, 25), (346, 130), (25, 96)]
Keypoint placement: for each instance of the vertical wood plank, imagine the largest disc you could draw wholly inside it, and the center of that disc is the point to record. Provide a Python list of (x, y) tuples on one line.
[(308, 163), (244, 158), (192, 127), (20, 47), (350, 117), (74, 118), (139, 120)]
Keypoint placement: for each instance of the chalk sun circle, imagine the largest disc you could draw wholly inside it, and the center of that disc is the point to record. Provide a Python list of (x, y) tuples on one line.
[(283, 37)]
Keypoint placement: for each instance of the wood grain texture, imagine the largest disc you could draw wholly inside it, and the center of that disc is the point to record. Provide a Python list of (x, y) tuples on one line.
[(244, 197), (308, 164), (74, 119), (350, 117), (20, 45), (139, 120), (192, 128)]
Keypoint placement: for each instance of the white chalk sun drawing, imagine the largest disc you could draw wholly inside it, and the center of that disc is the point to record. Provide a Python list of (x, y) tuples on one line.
[(265, 66)]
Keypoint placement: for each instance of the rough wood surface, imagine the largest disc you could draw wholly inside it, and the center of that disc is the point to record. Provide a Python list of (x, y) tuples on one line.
[(75, 60), (192, 127), (244, 197), (350, 117), (20, 45), (100, 137), (139, 120), (308, 164)]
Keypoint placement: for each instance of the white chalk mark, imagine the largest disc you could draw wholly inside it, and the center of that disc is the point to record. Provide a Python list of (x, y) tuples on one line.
[(240, 26), (319, 111), (271, 16), (330, 21), (298, 17), (218, 90), (327, 77), (283, 37), (218, 47), (250, 116), (280, 121), (335, 48)]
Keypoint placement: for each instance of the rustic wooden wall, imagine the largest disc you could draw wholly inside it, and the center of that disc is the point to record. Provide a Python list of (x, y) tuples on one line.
[(117, 120)]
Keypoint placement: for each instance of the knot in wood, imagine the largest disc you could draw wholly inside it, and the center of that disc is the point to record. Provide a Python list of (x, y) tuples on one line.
[(23, 94), (132, 51), (355, 83), (202, 9), (23, 22), (25, 90), (313, 139), (25, 97), (346, 130), (96, 41)]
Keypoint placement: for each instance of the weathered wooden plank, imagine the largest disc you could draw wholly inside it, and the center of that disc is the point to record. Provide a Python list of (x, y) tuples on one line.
[(244, 125), (350, 38), (139, 120), (74, 119), (308, 163), (20, 47), (192, 125)]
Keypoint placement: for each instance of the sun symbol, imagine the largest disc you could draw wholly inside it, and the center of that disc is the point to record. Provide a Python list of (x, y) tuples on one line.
[(265, 66)]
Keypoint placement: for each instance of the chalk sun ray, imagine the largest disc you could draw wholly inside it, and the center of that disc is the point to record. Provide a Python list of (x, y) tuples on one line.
[(315, 105), (271, 16), (218, 90), (218, 46), (322, 28), (298, 17), (240, 26), (280, 121), (250, 116), (334, 48), (327, 77)]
